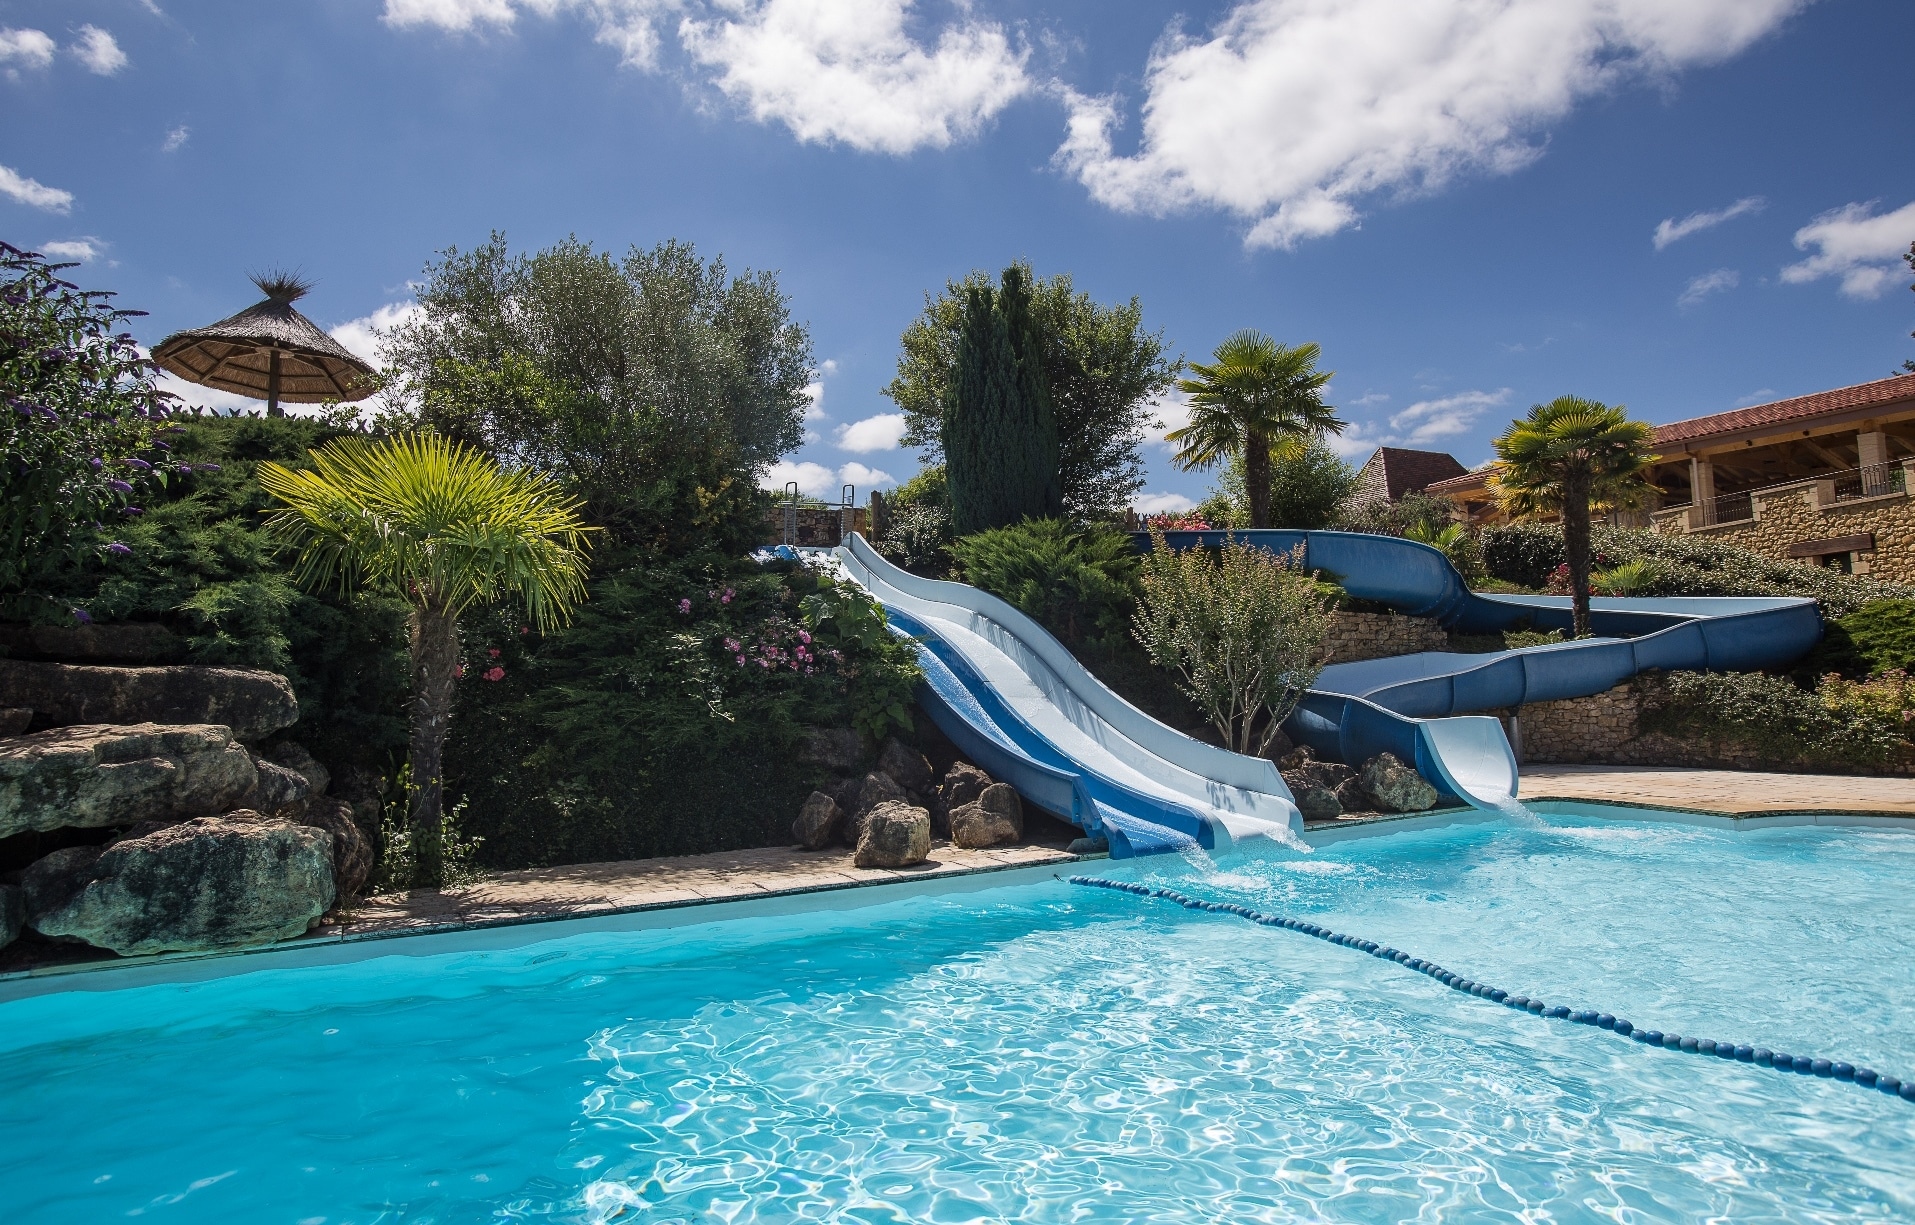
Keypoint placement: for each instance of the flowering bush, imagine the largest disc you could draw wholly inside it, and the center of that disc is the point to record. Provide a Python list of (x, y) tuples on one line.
[(1187, 521)]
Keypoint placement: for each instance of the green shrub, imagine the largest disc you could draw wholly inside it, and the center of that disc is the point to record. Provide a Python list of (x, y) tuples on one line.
[(1875, 638), (1527, 553), (1833, 726), (918, 538), (1080, 583), (1410, 512), (927, 488)]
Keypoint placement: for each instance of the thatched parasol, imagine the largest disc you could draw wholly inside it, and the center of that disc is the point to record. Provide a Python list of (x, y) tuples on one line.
[(270, 352)]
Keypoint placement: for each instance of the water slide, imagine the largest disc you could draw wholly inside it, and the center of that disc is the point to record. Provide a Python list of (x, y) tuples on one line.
[(1016, 702)]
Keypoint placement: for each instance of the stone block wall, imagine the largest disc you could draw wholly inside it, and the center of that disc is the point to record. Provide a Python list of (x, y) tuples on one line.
[(1794, 514), (1364, 635), (816, 525)]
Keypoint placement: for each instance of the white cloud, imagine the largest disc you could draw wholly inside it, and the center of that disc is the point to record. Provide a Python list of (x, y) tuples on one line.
[(31, 192), (458, 15), (27, 48), (1759, 396), (626, 26), (97, 50), (1291, 112), (1428, 421), (84, 250), (223, 402), (818, 481), (1173, 409), (361, 336), (879, 433), (814, 391), (1709, 282), (175, 139), (1857, 245), (845, 70), (1670, 230), (1161, 504)]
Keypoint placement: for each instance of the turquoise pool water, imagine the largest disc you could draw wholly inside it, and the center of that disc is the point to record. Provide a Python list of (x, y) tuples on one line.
[(1042, 1053)]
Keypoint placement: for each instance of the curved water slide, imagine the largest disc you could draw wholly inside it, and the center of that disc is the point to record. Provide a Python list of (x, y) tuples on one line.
[(1417, 706), (1017, 703)]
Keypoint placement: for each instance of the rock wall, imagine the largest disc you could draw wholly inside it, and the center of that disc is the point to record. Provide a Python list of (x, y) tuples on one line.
[(1363, 635), (1796, 514)]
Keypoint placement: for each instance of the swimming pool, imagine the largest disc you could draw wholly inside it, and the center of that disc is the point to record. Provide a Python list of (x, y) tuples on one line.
[(1043, 1052)]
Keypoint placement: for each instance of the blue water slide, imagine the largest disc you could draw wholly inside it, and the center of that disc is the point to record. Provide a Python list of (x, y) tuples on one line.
[(1015, 701), (1417, 706)]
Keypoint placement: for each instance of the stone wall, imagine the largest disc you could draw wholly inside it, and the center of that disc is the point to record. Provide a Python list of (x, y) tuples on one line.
[(1363, 635), (1807, 511), (816, 525)]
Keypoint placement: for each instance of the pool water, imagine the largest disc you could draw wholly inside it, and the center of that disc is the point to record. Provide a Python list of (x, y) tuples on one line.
[(1043, 1052)]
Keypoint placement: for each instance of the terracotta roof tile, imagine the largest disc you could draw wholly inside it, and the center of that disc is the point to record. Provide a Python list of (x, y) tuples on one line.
[(1801, 408), (1406, 471)]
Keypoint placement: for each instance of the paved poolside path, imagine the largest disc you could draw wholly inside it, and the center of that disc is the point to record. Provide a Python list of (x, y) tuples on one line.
[(1730, 792), (608, 888)]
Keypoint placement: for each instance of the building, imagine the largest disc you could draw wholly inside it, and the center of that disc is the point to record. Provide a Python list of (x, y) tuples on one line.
[(1821, 478), (1393, 472)]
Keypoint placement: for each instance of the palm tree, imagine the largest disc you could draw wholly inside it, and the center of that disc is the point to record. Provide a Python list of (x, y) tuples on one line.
[(1255, 395), (1562, 457), (447, 529)]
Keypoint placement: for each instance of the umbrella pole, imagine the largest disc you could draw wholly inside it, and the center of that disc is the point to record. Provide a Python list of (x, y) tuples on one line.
[(272, 386)]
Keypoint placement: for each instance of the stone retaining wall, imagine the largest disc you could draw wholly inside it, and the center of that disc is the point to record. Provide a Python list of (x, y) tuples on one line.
[(1363, 635), (1796, 514)]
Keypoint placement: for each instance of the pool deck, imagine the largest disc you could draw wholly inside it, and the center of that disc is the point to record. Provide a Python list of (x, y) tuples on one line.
[(1732, 793)]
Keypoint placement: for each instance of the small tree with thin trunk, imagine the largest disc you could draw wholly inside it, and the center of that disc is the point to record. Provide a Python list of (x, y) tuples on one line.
[(1243, 630), (448, 529), (1254, 396), (1559, 460)]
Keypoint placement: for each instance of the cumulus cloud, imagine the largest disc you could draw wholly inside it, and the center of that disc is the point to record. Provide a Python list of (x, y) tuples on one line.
[(32, 192), (26, 49), (1292, 112), (175, 139), (818, 481), (1161, 504), (1709, 282), (814, 391), (361, 336), (97, 50), (1173, 409), (85, 250), (626, 26), (1428, 421), (1670, 230), (879, 433), (1856, 244), (457, 15), (846, 71)]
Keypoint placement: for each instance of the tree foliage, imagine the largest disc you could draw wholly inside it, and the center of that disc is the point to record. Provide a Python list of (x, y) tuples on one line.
[(1254, 396), (999, 433), (1103, 369), (78, 433), (1080, 583), (1243, 629), (1308, 485)]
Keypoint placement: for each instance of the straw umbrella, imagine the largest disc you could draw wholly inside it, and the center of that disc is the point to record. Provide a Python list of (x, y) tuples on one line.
[(270, 352)]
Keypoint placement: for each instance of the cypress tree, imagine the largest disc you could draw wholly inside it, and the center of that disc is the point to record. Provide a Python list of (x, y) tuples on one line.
[(999, 431)]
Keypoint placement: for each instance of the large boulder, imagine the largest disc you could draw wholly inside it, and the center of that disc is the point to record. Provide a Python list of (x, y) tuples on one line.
[(1317, 803), (208, 883), (894, 835), (1302, 770), (127, 642), (94, 777), (994, 818), (819, 822), (838, 749), (906, 767), (15, 720), (254, 704), (351, 849), (13, 913), (293, 755), (1351, 796), (962, 784), (1395, 787), (276, 790), (873, 789)]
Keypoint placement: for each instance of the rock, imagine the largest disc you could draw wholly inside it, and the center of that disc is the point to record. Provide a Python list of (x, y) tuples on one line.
[(127, 642), (1099, 845), (1296, 759), (351, 849), (874, 789), (1395, 787), (277, 790), (13, 913), (963, 783), (994, 818), (1318, 804), (14, 720), (819, 822), (365, 789), (93, 777), (1353, 798), (838, 749), (254, 704), (906, 766), (1280, 746), (894, 835), (1302, 771), (212, 882), (293, 755)]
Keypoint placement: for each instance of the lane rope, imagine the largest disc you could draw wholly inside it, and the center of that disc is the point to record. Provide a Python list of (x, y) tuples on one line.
[(1759, 1056)]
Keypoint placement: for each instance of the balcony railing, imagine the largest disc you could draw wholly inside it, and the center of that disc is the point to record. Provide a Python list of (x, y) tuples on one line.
[(1871, 481)]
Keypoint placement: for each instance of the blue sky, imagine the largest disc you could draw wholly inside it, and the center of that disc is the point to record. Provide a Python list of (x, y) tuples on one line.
[(1472, 205)]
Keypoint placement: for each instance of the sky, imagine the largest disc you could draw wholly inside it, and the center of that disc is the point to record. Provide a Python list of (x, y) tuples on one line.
[(1683, 206)]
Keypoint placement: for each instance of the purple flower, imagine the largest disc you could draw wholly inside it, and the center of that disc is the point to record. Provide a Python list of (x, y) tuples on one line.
[(132, 510), (141, 464), (81, 615), (119, 486), (184, 469), (684, 606), (117, 547), (206, 467), (94, 462)]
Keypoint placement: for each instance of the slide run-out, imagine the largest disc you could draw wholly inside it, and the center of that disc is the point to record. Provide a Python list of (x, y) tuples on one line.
[(1016, 702)]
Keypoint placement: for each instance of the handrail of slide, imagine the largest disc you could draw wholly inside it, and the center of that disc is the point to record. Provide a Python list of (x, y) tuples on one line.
[(1014, 698)]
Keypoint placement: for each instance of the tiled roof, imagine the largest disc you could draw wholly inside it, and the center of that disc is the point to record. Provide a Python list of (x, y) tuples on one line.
[(1406, 471), (1468, 480), (1801, 408)]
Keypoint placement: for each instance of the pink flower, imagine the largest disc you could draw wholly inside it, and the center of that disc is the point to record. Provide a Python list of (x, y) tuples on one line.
[(494, 673), (493, 652), (741, 661), (807, 671), (804, 637), (684, 606), (726, 598), (764, 663), (460, 671), (731, 644)]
